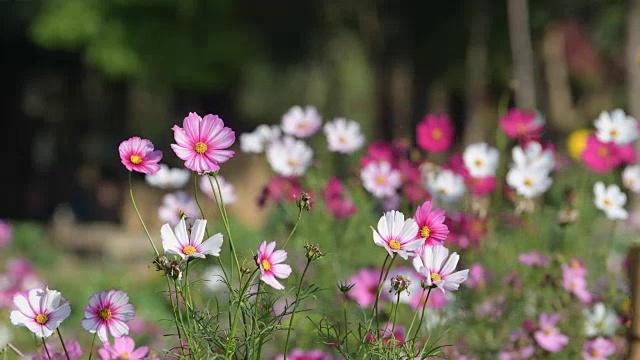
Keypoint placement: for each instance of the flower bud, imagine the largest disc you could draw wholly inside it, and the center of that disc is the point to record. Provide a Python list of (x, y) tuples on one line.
[(399, 284), (313, 252)]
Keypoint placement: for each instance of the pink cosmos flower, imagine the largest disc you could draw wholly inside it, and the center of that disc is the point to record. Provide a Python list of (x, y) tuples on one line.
[(598, 349), (477, 276), (437, 268), (280, 188), (55, 352), (600, 157), (380, 179), (521, 124), (520, 347), (480, 186), (297, 354), (176, 206), (270, 263), (137, 154), (575, 282), (435, 133), (201, 142), (18, 279), (365, 287), (534, 259), (627, 154), (549, 336), (107, 313), (389, 337), (381, 150), (301, 122), (122, 348), (6, 232), (41, 311), (431, 227), (189, 244), (397, 235), (337, 201)]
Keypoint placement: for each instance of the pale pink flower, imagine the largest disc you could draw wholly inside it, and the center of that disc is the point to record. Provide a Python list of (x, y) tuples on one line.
[(270, 263), (343, 136), (598, 349), (201, 142), (54, 351), (137, 154), (189, 244), (380, 179), (41, 311), (574, 281), (477, 276), (226, 188), (431, 227), (437, 268), (108, 313), (534, 259), (365, 286), (549, 336), (397, 235), (301, 122), (176, 206), (122, 348)]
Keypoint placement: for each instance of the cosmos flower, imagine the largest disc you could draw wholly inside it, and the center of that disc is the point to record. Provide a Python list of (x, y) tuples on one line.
[(437, 268), (226, 188), (270, 262), (549, 336), (431, 227), (529, 182), (481, 159), (189, 244), (396, 234), (600, 321), (289, 157), (137, 154), (610, 200), (519, 123), (176, 206), (41, 311), (600, 157), (447, 186), (616, 127), (301, 122), (258, 140), (598, 349), (107, 313), (343, 136), (435, 133), (380, 179), (631, 178), (122, 348), (168, 178)]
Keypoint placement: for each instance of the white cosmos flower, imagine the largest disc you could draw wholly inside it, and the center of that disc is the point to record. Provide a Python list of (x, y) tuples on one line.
[(380, 179), (528, 181), (226, 188), (437, 268), (481, 160), (533, 156), (343, 136), (176, 206), (289, 157), (301, 122), (189, 244), (168, 178), (600, 321), (617, 127), (397, 235), (611, 200), (631, 178), (447, 186), (261, 137)]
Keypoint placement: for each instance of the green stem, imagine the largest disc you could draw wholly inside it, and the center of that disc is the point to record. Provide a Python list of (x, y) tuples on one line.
[(234, 324), (295, 226), (66, 353), (295, 306), (186, 333), (175, 314), (93, 341), (424, 306), (415, 313), (346, 325), (395, 315), (133, 201), (254, 326), (44, 345), (225, 221), (15, 350)]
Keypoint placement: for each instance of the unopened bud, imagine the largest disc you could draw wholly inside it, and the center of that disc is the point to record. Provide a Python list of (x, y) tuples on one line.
[(313, 252), (399, 284), (305, 202), (345, 287)]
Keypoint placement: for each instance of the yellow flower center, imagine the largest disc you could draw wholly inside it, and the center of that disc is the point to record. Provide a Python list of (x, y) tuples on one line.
[(302, 125), (266, 265), (124, 355), (394, 244), (292, 162), (613, 133), (478, 162), (436, 134), (435, 277), (200, 147), (528, 182), (42, 319), (607, 203), (381, 180), (603, 151), (105, 314), (342, 140), (189, 250), (425, 231), (135, 159)]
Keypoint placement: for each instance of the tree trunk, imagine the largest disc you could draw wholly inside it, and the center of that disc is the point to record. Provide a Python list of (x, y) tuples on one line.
[(522, 52)]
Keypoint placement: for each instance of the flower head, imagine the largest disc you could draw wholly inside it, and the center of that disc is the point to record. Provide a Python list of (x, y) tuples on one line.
[(259, 139), (168, 178), (54, 351), (599, 156), (396, 234), (189, 244), (137, 154), (481, 160), (301, 122), (107, 313), (176, 206), (343, 136), (521, 124), (447, 186), (529, 181), (270, 262), (435, 133), (380, 179), (365, 287), (549, 336), (122, 348), (431, 227), (611, 200), (41, 311), (600, 320), (201, 142), (631, 178), (598, 349), (437, 268), (289, 157), (616, 127)]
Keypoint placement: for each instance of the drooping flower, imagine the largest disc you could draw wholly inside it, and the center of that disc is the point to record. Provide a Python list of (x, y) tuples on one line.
[(289, 157), (270, 262), (226, 188), (168, 178), (108, 313), (610, 200), (447, 186), (481, 159), (435, 133), (600, 321), (616, 127), (600, 157), (380, 179), (137, 154), (258, 140), (54, 351), (41, 311), (301, 122), (201, 142), (123, 348), (397, 235), (519, 123), (431, 227), (437, 268), (176, 206), (631, 178), (598, 349), (343, 136), (189, 244), (549, 336)]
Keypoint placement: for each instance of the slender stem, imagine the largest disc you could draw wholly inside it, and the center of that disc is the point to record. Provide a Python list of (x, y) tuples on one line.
[(234, 324), (93, 341), (225, 220), (395, 315), (175, 314), (415, 313), (254, 326), (294, 228), (295, 306), (186, 333), (66, 353), (44, 345), (346, 325), (380, 287), (133, 201), (424, 306), (15, 350)]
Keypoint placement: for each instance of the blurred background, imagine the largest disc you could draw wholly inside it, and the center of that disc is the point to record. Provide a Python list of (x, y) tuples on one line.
[(82, 75)]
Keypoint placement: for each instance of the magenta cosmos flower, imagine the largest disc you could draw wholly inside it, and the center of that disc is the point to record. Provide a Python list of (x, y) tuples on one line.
[(435, 133), (432, 229), (41, 311), (521, 124), (138, 155), (122, 348), (365, 287), (437, 268), (108, 312), (397, 235), (189, 244), (600, 157), (270, 263), (549, 336), (201, 142)]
